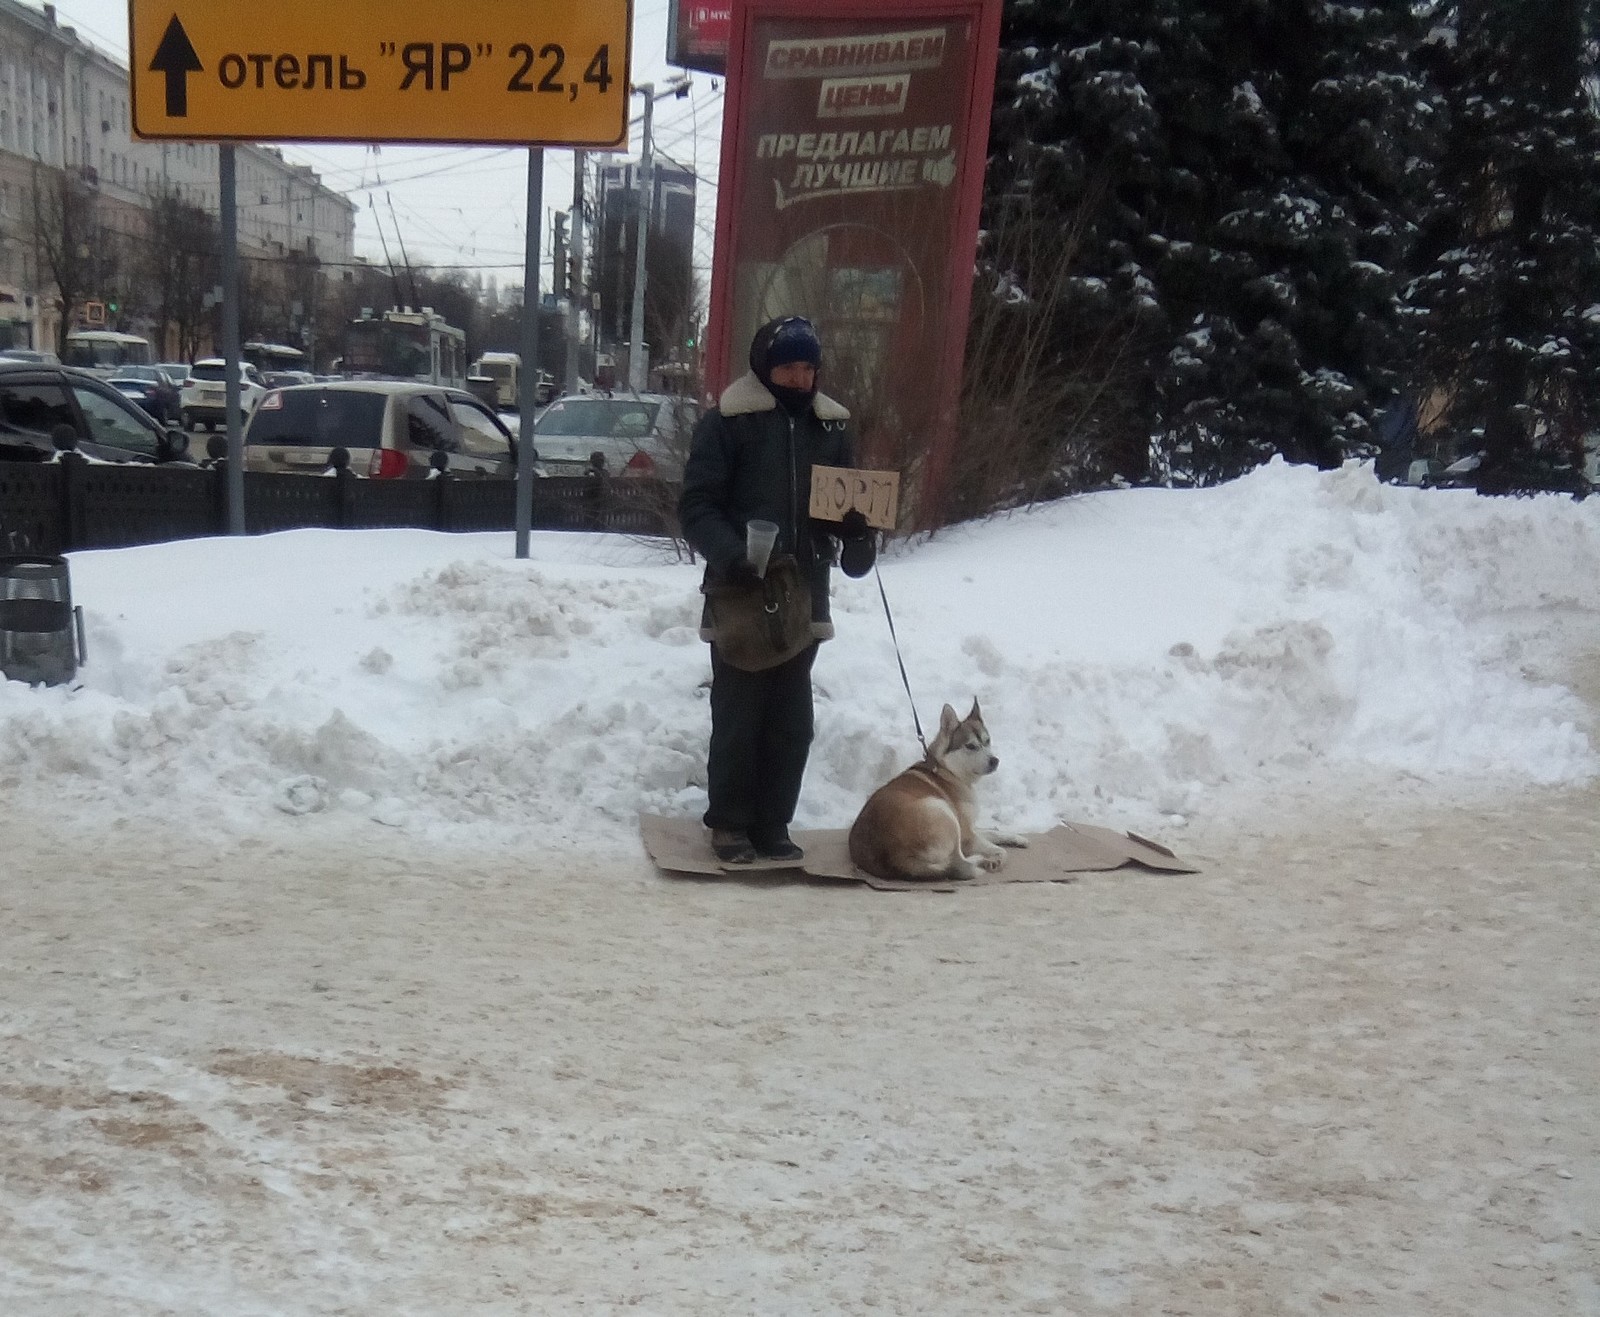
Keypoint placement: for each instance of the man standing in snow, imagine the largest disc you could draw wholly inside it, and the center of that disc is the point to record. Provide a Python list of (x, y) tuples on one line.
[(751, 457)]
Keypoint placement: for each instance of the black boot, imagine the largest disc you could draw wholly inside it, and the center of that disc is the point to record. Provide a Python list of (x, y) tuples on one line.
[(776, 845), (732, 847)]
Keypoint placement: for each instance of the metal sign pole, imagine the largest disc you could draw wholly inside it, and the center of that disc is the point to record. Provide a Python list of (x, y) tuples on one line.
[(528, 392), (638, 359), (228, 199), (575, 298)]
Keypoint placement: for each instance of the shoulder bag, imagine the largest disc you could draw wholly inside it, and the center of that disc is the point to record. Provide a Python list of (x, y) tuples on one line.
[(756, 627)]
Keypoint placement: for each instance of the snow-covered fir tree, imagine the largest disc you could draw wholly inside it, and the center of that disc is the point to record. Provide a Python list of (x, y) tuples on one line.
[(1507, 300), (1241, 179)]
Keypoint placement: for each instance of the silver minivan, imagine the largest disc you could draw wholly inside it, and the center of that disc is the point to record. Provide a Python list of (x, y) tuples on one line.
[(391, 429)]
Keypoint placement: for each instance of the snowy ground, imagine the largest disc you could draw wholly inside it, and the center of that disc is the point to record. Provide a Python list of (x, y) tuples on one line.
[(334, 980), (1151, 659)]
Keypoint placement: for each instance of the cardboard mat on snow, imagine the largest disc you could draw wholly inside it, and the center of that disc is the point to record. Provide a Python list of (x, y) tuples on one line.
[(683, 847)]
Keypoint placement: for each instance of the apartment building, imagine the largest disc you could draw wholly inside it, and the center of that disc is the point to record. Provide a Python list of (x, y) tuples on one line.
[(64, 107)]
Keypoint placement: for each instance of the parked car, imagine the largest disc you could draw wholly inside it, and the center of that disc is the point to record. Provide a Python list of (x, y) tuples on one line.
[(43, 405), (284, 379), (635, 434), (1559, 474), (152, 388), (204, 396), (390, 428), (545, 389), (30, 354), (176, 371)]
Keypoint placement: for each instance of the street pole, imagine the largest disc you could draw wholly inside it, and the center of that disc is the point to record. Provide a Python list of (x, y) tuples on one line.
[(638, 365), (228, 203), (528, 393), (575, 286)]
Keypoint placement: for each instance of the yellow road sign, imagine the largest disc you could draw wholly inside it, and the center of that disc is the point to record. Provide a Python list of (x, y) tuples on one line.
[(547, 72)]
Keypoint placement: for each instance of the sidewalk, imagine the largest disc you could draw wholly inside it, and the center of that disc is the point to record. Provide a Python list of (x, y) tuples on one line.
[(1348, 1070)]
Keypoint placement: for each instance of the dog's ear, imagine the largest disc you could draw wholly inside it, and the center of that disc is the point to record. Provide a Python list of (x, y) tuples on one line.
[(974, 716), (948, 722)]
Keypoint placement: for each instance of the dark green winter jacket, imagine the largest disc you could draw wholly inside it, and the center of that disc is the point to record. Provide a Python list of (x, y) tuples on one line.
[(752, 459)]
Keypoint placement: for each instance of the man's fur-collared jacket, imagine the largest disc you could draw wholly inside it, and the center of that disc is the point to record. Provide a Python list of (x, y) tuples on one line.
[(752, 459)]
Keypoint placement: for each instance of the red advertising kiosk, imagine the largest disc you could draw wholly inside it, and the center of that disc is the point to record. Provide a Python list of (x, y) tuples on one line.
[(853, 151)]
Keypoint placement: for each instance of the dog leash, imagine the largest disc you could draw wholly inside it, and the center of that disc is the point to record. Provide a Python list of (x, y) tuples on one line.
[(883, 594)]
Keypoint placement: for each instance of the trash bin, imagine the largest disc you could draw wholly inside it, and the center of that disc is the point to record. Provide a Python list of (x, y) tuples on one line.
[(41, 633)]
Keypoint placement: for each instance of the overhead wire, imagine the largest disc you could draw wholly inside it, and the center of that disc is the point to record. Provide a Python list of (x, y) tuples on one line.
[(112, 44), (403, 162), (356, 263), (479, 162)]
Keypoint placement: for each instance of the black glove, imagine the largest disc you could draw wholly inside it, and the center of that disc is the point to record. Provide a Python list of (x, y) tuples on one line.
[(742, 572), (858, 553), (853, 525)]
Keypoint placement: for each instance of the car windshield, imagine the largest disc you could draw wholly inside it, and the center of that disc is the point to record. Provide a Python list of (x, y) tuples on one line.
[(320, 418), (599, 418), (139, 373)]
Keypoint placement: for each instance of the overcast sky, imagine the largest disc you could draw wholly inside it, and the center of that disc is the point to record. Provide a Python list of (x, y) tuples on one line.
[(465, 206)]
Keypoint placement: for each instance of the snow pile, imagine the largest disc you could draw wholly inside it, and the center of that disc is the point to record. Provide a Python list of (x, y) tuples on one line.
[(1142, 657)]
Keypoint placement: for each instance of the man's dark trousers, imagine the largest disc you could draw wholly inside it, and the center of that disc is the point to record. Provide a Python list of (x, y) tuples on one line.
[(760, 737)]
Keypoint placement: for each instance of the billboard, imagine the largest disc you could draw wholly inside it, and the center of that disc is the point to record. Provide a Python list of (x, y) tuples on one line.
[(853, 153), (697, 34)]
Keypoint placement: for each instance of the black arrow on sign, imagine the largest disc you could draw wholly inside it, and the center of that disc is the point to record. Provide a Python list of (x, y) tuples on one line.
[(177, 58)]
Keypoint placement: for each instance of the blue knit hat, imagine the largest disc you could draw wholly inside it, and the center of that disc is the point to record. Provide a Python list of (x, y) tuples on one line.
[(779, 342)]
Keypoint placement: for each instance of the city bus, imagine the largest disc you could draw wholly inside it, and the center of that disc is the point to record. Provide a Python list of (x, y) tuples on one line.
[(406, 344), (104, 352)]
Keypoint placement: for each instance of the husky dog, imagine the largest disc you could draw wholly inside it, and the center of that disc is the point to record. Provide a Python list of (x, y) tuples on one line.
[(920, 824)]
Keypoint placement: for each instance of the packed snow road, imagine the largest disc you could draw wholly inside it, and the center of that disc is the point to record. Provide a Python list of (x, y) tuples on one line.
[(1350, 1067)]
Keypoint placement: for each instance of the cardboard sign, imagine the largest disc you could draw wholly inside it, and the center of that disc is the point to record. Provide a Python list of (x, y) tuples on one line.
[(836, 490)]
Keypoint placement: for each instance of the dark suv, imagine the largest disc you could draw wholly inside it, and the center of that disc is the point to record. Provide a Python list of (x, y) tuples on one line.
[(44, 407)]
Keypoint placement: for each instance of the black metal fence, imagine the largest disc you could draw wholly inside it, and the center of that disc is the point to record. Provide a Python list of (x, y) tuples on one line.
[(70, 504)]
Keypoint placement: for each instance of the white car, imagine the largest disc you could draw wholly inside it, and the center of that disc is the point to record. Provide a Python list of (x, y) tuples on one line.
[(631, 434), (204, 397)]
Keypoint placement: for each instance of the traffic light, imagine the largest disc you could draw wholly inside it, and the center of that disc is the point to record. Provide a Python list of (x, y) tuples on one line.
[(111, 308), (574, 277)]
